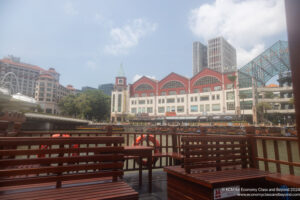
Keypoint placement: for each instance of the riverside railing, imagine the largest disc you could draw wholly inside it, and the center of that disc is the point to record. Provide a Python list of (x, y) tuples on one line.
[(274, 154)]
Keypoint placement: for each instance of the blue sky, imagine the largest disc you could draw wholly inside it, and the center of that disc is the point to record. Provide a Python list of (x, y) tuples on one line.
[(86, 41)]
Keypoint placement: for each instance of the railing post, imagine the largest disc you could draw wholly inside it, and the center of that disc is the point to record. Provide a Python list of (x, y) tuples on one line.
[(252, 151)]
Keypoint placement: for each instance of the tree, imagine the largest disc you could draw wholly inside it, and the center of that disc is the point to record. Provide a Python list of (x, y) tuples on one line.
[(269, 95), (262, 108), (243, 97), (90, 105), (232, 79)]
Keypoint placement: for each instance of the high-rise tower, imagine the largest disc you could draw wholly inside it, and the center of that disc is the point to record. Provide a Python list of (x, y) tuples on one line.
[(221, 55), (199, 57)]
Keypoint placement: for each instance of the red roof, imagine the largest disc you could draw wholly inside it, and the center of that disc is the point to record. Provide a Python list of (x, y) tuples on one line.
[(28, 66)]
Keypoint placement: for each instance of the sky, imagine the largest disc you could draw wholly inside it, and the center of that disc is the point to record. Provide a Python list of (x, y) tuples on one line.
[(87, 41)]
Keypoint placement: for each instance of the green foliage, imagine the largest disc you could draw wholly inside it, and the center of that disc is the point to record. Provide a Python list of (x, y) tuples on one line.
[(232, 78), (90, 105), (269, 95), (292, 101)]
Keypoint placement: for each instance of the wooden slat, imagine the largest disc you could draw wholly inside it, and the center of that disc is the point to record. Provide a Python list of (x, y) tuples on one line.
[(210, 152), (14, 152), (290, 158), (265, 155), (60, 169), (278, 169), (213, 164), (91, 158), (9, 141), (34, 180), (213, 158), (205, 146)]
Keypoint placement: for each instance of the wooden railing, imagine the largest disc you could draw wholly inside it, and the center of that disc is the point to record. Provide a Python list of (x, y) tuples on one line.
[(278, 154), (274, 154)]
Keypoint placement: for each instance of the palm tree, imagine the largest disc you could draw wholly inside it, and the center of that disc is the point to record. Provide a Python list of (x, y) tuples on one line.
[(232, 78), (262, 108)]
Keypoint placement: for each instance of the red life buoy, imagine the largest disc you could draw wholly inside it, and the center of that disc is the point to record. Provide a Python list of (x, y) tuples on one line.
[(54, 136), (139, 140)]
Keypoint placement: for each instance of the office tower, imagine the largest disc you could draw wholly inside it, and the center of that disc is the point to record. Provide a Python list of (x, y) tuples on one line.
[(221, 55), (106, 88), (199, 57)]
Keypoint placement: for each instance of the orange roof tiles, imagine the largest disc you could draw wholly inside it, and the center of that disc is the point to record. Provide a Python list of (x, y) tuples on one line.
[(28, 66)]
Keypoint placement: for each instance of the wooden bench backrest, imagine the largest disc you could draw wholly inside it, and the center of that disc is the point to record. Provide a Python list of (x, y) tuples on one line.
[(31, 160), (215, 152)]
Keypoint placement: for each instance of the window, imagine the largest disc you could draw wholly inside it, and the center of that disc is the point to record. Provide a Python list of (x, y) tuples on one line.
[(230, 106), (144, 95), (119, 102), (120, 81), (245, 94), (192, 99), (215, 107), (161, 109), (213, 97), (149, 110), (163, 93), (229, 86), (151, 94), (171, 100), (49, 84), (168, 109), (172, 84), (143, 110), (207, 108), (218, 96), (159, 101), (195, 98), (182, 99), (194, 108), (143, 87), (180, 109), (178, 100), (142, 102), (139, 110), (49, 89), (204, 98), (172, 92), (182, 92), (48, 95), (133, 110), (136, 95), (217, 88), (246, 105), (113, 102), (132, 102), (196, 90), (201, 108), (173, 109), (207, 80), (229, 95), (206, 89), (163, 100)]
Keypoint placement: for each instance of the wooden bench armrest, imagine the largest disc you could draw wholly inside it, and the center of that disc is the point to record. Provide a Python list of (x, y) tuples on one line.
[(287, 179)]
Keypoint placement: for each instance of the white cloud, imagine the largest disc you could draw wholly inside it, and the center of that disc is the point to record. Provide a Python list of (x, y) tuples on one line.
[(91, 65), (128, 36), (137, 77), (70, 9), (245, 24)]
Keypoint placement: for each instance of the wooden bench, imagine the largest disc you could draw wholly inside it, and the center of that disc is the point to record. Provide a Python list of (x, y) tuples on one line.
[(212, 163), (53, 168)]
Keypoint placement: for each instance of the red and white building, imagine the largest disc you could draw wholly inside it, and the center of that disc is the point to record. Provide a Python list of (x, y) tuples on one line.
[(208, 93)]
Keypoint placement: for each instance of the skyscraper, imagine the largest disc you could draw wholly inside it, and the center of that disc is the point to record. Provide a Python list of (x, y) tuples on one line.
[(199, 57), (221, 55)]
